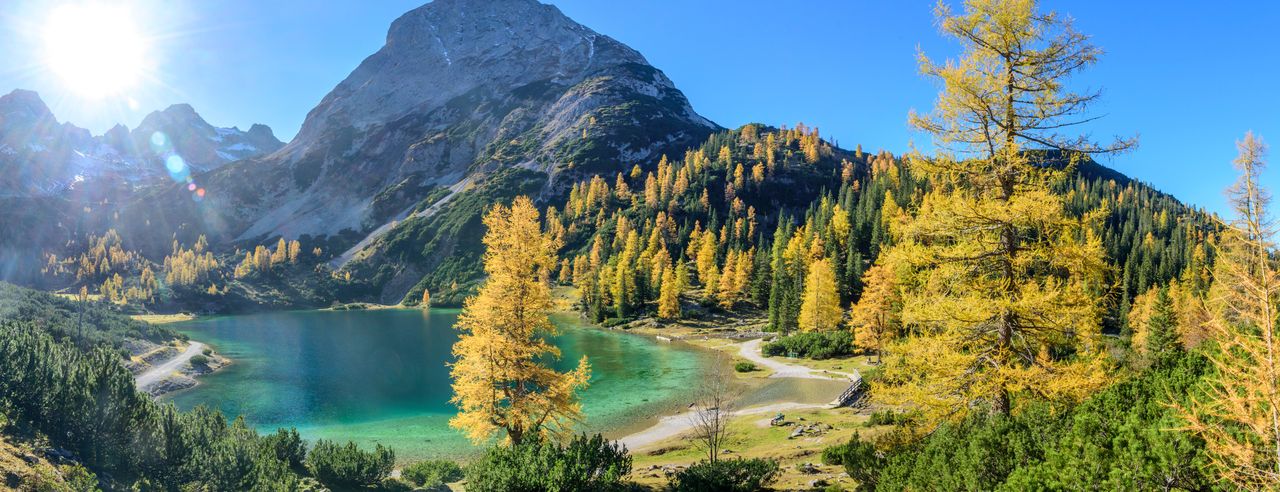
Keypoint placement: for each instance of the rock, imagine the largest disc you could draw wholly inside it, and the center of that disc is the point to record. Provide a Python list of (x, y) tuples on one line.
[(170, 384), (807, 468), (817, 483)]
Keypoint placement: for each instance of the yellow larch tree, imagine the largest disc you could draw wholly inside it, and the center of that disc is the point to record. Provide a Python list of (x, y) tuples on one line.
[(820, 306), (877, 314), (500, 382), (1002, 279), (295, 250), (1239, 415), (669, 295), (708, 272)]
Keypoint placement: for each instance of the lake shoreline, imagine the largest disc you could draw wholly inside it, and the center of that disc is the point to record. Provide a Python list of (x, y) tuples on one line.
[(183, 370), (757, 390), (279, 382)]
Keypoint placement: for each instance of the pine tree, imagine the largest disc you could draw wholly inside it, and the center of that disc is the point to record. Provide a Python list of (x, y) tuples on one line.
[(820, 310), (499, 380), (1004, 279), (1162, 341)]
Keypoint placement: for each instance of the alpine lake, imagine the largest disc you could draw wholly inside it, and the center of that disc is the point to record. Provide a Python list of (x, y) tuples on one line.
[(382, 376)]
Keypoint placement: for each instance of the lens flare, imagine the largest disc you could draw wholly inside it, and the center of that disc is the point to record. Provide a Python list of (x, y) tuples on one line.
[(159, 142)]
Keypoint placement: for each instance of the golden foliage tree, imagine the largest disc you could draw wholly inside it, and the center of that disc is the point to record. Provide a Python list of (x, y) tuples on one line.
[(499, 380), (708, 272), (877, 313), (669, 295), (1002, 277), (1239, 415), (295, 250), (820, 309)]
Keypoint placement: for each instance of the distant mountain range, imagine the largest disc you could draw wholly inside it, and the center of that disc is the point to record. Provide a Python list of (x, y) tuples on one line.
[(39, 156)]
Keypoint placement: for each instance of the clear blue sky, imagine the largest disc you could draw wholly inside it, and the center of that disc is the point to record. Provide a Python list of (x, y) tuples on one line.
[(1188, 77)]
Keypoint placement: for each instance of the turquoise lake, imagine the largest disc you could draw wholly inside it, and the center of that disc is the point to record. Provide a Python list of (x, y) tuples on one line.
[(380, 376)]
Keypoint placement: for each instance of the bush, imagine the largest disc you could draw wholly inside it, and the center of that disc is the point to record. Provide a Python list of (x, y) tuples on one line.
[(349, 466), (287, 446), (736, 475), (860, 458), (586, 463), (395, 485), (199, 360), (884, 417), (813, 345), (78, 478), (745, 367), (432, 473)]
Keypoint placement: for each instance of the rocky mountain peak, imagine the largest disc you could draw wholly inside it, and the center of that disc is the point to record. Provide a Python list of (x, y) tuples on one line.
[(181, 115), (23, 107), (261, 132), (447, 48)]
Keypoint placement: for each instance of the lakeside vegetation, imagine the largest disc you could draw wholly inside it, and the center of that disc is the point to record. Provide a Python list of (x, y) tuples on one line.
[(1035, 322)]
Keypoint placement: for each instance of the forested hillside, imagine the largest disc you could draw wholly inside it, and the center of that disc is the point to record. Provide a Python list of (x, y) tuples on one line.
[(748, 216)]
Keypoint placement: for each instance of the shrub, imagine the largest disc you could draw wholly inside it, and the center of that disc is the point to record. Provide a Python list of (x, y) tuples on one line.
[(287, 446), (884, 417), (586, 463), (860, 458), (736, 475), (349, 466), (199, 360), (813, 345), (745, 367), (432, 473), (78, 478), (395, 485)]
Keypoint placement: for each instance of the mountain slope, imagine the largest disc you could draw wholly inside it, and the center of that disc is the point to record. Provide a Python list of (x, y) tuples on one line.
[(463, 91), (462, 88), (59, 182)]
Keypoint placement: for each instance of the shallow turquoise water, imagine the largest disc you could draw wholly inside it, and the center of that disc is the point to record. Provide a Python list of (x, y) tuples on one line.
[(380, 376)]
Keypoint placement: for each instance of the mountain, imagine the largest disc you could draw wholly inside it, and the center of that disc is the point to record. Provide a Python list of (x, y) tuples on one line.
[(463, 94), (461, 89), (59, 182), (203, 146), (41, 157)]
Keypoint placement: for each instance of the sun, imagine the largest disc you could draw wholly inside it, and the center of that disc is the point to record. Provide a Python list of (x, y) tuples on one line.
[(97, 50)]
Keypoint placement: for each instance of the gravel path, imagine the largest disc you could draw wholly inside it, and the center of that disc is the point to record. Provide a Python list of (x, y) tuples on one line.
[(159, 372), (751, 352)]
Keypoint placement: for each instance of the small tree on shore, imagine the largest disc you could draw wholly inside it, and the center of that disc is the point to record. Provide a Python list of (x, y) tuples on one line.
[(500, 380), (713, 408)]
